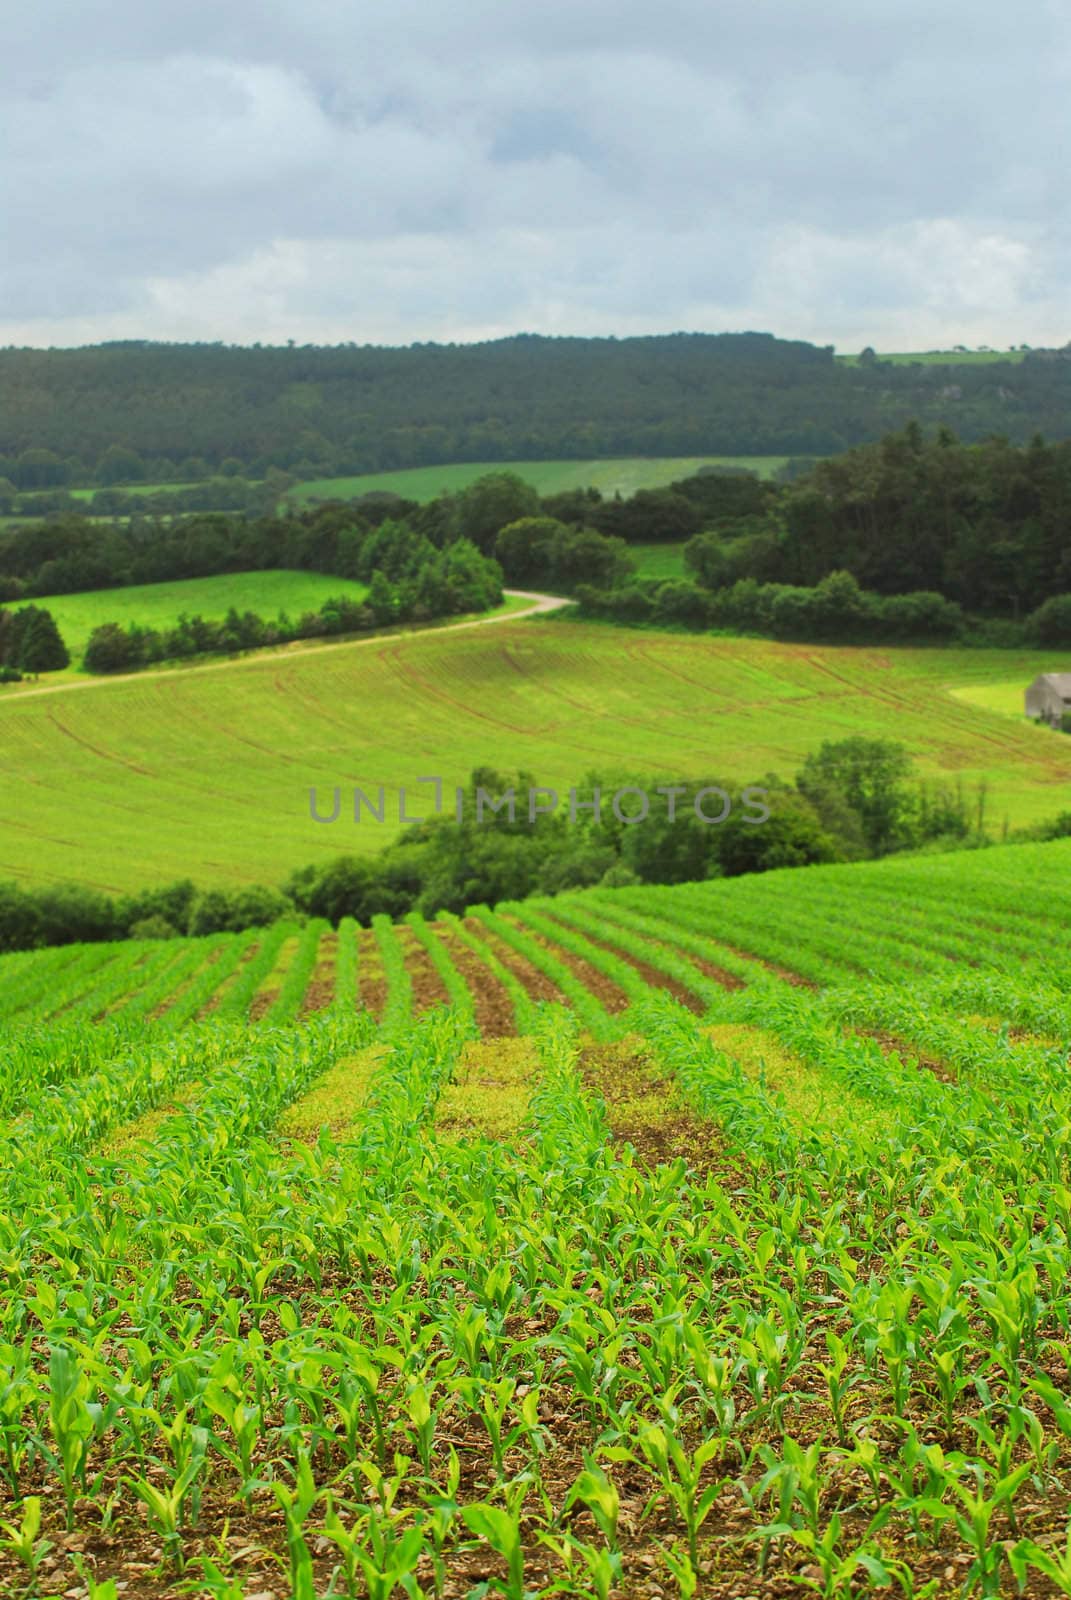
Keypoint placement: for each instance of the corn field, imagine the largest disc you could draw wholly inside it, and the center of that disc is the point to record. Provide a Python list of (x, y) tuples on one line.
[(709, 1240)]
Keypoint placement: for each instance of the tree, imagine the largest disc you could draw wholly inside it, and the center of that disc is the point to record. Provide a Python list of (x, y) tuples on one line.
[(1050, 624), (39, 469), (110, 649), (870, 774), (119, 464), (791, 836), (481, 511), (678, 601), (706, 559), (839, 604), (381, 599), (524, 548), (41, 648)]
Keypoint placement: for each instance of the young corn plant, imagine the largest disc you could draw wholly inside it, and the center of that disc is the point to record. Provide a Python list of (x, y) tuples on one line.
[(23, 1540)]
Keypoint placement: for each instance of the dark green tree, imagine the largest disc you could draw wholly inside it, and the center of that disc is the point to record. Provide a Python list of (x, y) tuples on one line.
[(41, 647), (871, 777)]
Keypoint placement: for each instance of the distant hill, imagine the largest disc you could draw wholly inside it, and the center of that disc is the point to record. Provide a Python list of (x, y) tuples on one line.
[(121, 411)]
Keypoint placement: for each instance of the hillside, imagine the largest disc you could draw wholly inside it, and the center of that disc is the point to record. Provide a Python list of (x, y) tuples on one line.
[(210, 769), (345, 410)]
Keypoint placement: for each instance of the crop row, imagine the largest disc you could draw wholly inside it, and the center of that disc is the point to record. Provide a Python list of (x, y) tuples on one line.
[(398, 1355)]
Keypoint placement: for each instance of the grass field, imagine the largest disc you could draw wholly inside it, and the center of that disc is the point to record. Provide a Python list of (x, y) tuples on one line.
[(159, 605), (940, 358), (710, 1240), (148, 488), (622, 477), (206, 773), (659, 560)]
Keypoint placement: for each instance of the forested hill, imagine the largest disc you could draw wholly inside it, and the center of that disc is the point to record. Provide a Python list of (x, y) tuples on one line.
[(349, 409)]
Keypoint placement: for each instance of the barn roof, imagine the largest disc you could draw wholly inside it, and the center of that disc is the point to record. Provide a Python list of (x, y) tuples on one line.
[(1060, 681)]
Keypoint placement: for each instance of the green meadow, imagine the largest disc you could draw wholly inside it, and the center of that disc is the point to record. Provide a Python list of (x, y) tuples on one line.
[(206, 773), (659, 560), (622, 477), (160, 605), (141, 488)]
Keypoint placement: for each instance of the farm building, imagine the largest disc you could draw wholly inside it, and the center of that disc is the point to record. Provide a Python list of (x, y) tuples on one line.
[(1049, 697)]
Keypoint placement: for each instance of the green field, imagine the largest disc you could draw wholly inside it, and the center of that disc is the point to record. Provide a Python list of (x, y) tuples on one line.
[(622, 477), (940, 358), (635, 1243), (159, 605), (143, 488), (659, 560), (206, 772)]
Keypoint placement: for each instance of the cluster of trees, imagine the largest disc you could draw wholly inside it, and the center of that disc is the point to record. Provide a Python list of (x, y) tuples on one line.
[(986, 525), (355, 539), (836, 609), (852, 799), (448, 583), (134, 411), (68, 913), (30, 643)]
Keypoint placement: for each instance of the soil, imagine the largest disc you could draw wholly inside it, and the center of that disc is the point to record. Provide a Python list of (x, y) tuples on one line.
[(321, 990), (428, 987), (650, 974), (606, 992), (371, 979), (262, 1003), (491, 1004), (891, 1045), (536, 984), (621, 1072)]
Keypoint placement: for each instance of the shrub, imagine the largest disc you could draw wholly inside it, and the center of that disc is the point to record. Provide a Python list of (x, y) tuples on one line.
[(153, 928), (1051, 622)]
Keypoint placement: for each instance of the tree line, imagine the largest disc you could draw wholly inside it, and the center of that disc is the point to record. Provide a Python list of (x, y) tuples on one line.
[(852, 799), (135, 411)]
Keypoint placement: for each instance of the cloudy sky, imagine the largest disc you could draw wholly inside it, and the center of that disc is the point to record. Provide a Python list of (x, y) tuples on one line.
[(886, 172)]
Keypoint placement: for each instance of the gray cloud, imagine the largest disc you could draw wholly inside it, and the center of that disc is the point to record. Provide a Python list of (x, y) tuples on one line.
[(891, 174)]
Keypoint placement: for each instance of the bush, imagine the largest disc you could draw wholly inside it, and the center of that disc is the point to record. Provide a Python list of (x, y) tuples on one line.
[(231, 911), (171, 905), (153, 928), (678, 601), (111, 649), (1051, 622)]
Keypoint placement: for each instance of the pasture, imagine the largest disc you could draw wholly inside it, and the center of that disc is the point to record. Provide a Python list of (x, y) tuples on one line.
[(708, 1240), (610, 477), (659, 560), (206, 772)]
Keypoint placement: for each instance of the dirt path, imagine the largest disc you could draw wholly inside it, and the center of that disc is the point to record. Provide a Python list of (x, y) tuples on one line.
[(270, 656)]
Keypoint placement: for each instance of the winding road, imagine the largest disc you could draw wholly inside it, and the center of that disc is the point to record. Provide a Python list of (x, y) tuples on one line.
[(272, 654)]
